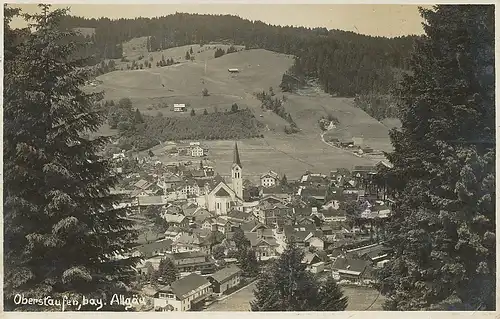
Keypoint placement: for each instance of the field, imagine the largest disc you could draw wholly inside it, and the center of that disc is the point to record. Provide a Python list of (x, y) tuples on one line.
[(259, 70), (360, 299)]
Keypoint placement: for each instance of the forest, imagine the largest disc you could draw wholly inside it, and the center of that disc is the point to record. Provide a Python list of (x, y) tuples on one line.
[(345, 63), (207, 126)]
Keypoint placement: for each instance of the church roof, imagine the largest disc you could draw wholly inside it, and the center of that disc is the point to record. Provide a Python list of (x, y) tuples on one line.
[(222, 192), (236, 155)]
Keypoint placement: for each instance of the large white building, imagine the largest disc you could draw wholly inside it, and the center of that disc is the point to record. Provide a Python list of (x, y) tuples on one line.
[(269, 179), (223, 197)]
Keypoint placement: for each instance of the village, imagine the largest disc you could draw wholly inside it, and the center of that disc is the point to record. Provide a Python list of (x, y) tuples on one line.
[(187, 212)]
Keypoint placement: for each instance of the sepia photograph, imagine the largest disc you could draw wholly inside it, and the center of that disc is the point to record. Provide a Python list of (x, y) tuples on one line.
[(249, 157)]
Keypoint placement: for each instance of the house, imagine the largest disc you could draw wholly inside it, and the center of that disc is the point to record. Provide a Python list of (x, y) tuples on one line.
[(316, 242), (146, 201), (179, 107), (280, 192), (192, 261), (269, 179), (356, 270), (186, 242), (299, 234), (222, 225), (334, 215), (183, 294), (233, 70), (176, 220), (225, 279), (153, 249), (197, 151), (238, 216), (317, 192), (173, 232), (374, 253), (264, 245)]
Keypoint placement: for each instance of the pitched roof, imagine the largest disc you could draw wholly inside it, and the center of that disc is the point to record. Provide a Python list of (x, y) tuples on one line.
[(355, 265), (225, 273), (222, 193), (334, 213), (237, 214), (169, 218), (236, 155), (149, 249), (183, 286), (188, 254), (251, 225)]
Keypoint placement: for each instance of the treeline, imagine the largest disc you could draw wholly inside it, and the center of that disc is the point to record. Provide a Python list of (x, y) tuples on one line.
[(207, 126), (345, 63), (378, 106)]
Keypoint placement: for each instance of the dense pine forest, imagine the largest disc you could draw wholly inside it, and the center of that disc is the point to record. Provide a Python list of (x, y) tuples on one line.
[(345, 63)]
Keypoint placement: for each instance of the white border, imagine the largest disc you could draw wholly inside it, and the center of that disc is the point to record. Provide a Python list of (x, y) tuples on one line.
[(281, 315)]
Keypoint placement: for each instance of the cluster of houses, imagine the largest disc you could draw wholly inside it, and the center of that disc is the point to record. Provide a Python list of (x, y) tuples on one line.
[(202, 211)]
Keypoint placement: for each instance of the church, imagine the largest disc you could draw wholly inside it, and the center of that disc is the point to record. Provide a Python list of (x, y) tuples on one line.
[(223, 197)]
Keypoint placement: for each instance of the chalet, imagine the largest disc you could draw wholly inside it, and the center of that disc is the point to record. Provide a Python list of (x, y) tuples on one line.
[(225, 279), (263, 243), (269, 179), (179, 107), (186, 242), (183, 294), (222, 225)]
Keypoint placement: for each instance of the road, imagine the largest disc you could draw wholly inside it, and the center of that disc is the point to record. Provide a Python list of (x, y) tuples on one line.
[(360, 299), (239, 301)]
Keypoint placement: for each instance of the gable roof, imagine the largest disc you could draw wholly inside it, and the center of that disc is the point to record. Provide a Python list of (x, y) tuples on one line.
[(149, 249), (225, 273), (352, 265), (222, 193), (237, 214), (252, 225), (177, 219), (183, 286)]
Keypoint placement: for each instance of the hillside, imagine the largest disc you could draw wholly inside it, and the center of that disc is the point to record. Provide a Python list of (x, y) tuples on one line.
[(259, 70), (345, 63)]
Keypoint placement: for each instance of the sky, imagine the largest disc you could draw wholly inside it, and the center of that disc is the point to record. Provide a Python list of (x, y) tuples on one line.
[(387, 20)]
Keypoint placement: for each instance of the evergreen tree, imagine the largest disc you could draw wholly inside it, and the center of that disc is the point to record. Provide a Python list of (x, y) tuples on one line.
[(138, 117), (193, 113), (205, 112), (331, 297), (284, 181), (287, 286), (234, 108), (188, 57), (191, 50), (167, 271), (443, 228), (61, 230)]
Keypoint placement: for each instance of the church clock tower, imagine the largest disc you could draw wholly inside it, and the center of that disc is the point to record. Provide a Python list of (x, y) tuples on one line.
[(236, 172)]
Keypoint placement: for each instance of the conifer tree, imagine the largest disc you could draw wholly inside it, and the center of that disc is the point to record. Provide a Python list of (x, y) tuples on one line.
[(167, 271), (138, 117), (287, 286), (443, 228), (62, 233)]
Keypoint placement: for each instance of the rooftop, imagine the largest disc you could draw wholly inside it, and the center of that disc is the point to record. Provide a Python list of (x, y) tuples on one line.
[(226, 273)]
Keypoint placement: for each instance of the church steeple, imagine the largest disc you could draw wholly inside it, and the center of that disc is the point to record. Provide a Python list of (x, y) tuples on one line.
[(236, 155), (236, 173)]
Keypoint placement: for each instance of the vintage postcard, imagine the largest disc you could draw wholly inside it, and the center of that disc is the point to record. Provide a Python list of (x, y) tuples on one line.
[(249, 158)]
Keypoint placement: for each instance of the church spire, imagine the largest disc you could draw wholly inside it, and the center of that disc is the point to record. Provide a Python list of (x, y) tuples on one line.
[(236, 155)]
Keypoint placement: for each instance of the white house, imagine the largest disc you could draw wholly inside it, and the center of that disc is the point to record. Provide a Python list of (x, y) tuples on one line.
[(179, 107), (269, 179), (197, 151), (182, 294)]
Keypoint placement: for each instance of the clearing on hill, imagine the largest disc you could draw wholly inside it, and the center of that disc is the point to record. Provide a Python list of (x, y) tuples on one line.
[(156, 89)]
